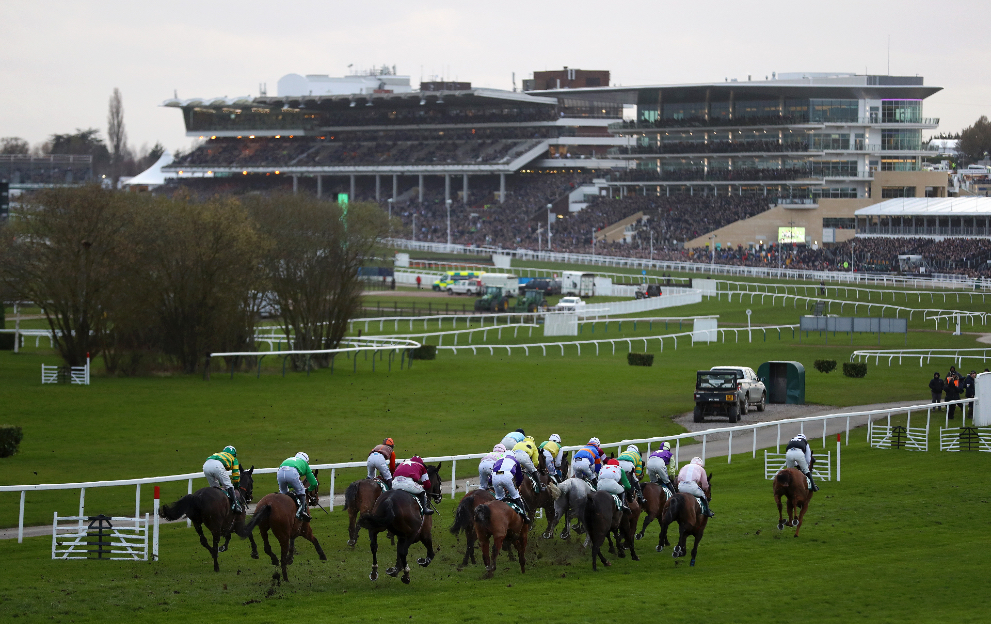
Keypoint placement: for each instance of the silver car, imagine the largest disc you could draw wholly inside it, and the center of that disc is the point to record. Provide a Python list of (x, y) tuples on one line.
[(750, 385)]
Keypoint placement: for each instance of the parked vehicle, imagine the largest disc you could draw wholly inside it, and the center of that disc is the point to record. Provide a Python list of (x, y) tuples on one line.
[(646, 291), (465, 287), (569, 304), (531, 301), (510, 284), (717, 394), (578, 284), (751, 386), (453, 276), (493, 299), (548, 286)]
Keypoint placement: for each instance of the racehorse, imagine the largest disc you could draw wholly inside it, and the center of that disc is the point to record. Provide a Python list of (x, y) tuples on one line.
[(549, 493), (277, 513), (358, 499), (684, 509), (791, 484), (399, 512), (464, 520), (656, 496), (210, 506), (497, 520), (570, 504), (603, 517)]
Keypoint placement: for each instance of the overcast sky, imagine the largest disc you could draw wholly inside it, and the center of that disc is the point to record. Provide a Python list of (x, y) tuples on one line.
[(60, 61)]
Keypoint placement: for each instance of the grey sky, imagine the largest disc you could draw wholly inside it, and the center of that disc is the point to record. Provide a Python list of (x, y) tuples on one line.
[(59, 61)]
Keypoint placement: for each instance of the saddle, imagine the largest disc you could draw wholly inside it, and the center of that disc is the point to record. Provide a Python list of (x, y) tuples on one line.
[(379, 481), (698, 501), (616, 499), (808, 482), (515, 507), (536, 484)]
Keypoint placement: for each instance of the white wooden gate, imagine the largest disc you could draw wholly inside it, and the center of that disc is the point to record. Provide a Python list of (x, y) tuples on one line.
[(965, 439), (80, 537), (775, 462)]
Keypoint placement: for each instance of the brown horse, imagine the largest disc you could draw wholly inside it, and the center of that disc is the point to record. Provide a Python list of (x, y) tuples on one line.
[(791, 484), (684, 509), (210, 506), (464, 520), (277, 513), (656, 495), (549, 492), (602, 518), (497, 520), (399, 512), (359, 498)]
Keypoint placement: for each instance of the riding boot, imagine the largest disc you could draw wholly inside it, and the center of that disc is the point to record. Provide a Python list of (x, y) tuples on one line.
[(388, 483), (815, 488), (706, 511), (526, 514), (301, 511), (427, 509), (537, 488), (639, 490), (626, 507), (235, 506)]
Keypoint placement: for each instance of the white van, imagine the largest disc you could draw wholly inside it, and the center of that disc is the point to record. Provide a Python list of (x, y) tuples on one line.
[(510, 284), (578, 283)]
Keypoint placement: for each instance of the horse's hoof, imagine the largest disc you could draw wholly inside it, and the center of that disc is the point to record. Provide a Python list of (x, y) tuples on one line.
[(639, 536), (659, 548), (351, 543), (635, 558), (254, 555), (781, 526), (565, 535), (794, 523), (607, 564), (423, 561), (692, 563), (405, 579), (222, 549), (373, 576), (392, 572), (546, 535)]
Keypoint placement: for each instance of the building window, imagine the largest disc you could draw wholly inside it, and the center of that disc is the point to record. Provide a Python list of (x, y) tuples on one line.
[(830, 192), (899, 164), (839, 223), (901, 111), (685, 110), (757, 109), (834, 141), (834, 111), (892, 192), (834, 168), (901, 140)]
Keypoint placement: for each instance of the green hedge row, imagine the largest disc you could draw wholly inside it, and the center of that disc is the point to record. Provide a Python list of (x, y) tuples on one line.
[(10, 438), (640, 359), (825, 366), (6, 342), (424, 352), (855, 369)]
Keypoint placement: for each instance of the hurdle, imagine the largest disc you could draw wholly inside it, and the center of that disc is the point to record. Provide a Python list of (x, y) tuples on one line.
[(775, 462)]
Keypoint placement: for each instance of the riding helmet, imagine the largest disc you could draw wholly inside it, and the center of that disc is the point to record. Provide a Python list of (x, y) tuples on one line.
[(230, 449), (498, 448), (594, 442), (666, 446), (555, 438), (698, 461), (389, 442), (633, 448), (801, 436), (303, 456)]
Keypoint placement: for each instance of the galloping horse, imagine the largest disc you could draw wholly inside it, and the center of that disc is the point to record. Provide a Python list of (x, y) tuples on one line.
[(549, 493), (570, 504), (399, 512), (464, 520), (210, 506), (359, 498), (684, 509), (791, 484), (656, 496), (497, 520), (277, 513), (602, 517)]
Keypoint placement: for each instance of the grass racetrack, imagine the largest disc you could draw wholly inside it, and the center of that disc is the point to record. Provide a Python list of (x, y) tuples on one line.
[(901, 538)]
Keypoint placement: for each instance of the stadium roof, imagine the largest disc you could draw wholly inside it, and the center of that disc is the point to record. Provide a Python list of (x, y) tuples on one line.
[(929, 207), (477, 97)]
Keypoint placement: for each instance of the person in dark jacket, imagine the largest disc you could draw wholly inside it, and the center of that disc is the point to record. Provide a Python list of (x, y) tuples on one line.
[(969, 390), (952, 392), (936, 386)]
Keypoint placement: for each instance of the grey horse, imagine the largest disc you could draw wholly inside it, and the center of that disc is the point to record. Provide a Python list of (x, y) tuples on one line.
[(570, 504)]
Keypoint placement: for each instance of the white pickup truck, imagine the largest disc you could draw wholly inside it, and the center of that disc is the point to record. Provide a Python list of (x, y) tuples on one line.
[(465, 287)]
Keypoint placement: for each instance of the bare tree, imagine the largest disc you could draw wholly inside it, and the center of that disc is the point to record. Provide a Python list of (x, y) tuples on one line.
[(14, 145), (116, 134)]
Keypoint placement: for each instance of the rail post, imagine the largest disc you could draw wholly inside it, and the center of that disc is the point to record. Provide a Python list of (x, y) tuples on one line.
[(20, 520), (454, 478), (154, 538), (838, 445), (333, 478)]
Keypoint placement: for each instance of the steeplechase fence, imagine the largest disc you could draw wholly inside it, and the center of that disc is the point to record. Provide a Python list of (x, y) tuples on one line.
[(101, 537), (775, 463)]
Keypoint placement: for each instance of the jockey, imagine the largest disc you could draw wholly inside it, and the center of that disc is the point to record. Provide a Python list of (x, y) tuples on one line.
[(527, 458), (692, 480), (485, 466), (612, 479), (378, 458), (290, 476), (215, 470), (632, 464), (506, 478), (588, 460), (513, 438), (798, 453), (657, 466), (553, 455), (411, 476)]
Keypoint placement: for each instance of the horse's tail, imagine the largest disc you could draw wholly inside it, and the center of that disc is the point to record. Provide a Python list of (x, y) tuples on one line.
[(351, 495), (589, 518), (180, 508), (483, 515), (380, 520), (673, 510), (783, 478), (462, 517), (260, 515), (554, 490)]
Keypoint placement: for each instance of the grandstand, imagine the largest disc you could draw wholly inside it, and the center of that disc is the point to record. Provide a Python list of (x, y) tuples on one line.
[(25, 172)]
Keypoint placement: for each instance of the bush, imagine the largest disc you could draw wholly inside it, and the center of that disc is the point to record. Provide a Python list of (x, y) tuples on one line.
[(640, 359), (6, 342), (825, 366), (10, 437), (854, 369), (424, 352)]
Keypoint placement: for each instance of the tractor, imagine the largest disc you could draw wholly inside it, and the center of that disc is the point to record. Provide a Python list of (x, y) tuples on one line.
[(531, 301), (492, 300)]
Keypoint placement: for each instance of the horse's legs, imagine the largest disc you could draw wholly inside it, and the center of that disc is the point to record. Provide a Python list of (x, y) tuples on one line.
[(682, 548), (484, 540), (373, 540), (662, 538), (352, 526), (268, 547), (612, 547), (646, 521), (428, 541), (781, 520), (401, 551), (521, 549), (695, 546), (791, 511), (215, 550), (227, 540), (199, 530), (801, 516), (628, 534), (310, 537), (286, 555), (254, 546), (497, 545), (597, 550)]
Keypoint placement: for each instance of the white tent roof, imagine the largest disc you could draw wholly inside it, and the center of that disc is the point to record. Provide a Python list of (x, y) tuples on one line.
[(929, 206), (152, 176)]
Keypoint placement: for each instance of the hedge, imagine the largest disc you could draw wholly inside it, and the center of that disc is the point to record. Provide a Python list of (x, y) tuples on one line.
[(10, 437), (855, 369), (825, 366), (6, 342), (640, 359), (424, 352)]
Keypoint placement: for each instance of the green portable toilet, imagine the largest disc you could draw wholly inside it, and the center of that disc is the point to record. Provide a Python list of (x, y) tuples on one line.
[(785, 382)]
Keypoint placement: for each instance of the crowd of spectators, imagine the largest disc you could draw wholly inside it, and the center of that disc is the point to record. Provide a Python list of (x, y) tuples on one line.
[(715, 174), (718, 147), (717, 121)]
